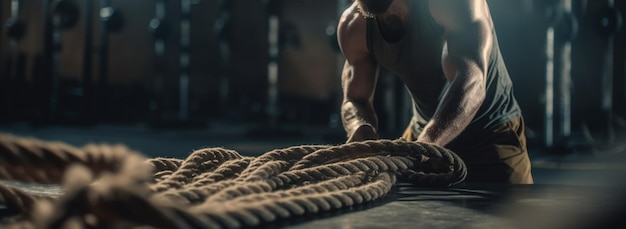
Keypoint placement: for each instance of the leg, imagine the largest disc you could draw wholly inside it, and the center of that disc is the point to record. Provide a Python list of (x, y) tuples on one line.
[(499, 155)]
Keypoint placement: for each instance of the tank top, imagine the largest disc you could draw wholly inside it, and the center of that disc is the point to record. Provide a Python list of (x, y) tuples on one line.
[(416, 60)]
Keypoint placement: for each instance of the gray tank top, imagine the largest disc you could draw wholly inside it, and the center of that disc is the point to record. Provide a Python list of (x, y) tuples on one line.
[(416, 60)]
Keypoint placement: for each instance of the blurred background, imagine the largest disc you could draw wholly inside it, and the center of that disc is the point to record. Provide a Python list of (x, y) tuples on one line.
[(169, 76)]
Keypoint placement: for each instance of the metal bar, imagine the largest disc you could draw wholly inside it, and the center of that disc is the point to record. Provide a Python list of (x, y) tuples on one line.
[(87, 71), (223, 24), (549, 89), (45, 74), (607, 88), (105, 11), (159, 45), (88, 47), (15, 8), (564, 84), (272, 68), (14, 43), (185, 60)]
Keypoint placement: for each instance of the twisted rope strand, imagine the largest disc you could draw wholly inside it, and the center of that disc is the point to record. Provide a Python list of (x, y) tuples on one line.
[(200, 160), (32, 160), (164, 164), (233, 216), (15, 199), (297, 177), (228, 170), (366, 149), (193, 195), (327, 186), (290, 154)]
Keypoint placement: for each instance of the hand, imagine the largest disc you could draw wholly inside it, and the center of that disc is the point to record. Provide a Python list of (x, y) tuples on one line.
[(363, 133)]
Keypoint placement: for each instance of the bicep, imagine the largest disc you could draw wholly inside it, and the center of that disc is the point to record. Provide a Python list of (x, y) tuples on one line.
[(467, 50), (468, 34)]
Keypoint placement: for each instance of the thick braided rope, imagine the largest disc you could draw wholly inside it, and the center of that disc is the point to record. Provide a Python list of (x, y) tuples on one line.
[(32, 160), (277, 168), (164, 164), (268, 210), (455, 174), (290, 154), (255, 191), (307, 178), (228, 170), (199, 161), (250, 211), (218, 188), (15, 199), (202, 188), (163, 167)]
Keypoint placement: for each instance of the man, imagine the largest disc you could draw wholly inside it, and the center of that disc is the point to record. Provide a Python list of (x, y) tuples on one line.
[(447, 55)]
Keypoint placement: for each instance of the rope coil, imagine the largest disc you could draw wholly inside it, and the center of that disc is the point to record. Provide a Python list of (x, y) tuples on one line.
[(113, 186)]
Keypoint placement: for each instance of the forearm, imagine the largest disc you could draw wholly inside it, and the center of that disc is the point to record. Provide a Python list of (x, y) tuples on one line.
[(355, 115), (456, 109)]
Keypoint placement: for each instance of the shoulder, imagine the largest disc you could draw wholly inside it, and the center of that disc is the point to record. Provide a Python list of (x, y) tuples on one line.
[(457, 14), (352, 32)]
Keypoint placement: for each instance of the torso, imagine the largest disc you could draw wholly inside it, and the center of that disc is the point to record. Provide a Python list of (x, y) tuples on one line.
[(416, 60)]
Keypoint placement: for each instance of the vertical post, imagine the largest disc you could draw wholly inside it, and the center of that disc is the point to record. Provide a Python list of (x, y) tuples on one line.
[(88, 57), (15, 14), (184, 58), (55, 66), (559, 36), (222, 29), (44, 73), (607, 76), (549, 101), (155, 24), (159, 28), (1, 49), (105, 13), (607, 21), (564, 82), (607, 79), (87, 46), (272, 67), (10, 84)]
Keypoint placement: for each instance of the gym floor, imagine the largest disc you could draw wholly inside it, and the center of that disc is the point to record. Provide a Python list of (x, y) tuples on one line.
[(582, 189)]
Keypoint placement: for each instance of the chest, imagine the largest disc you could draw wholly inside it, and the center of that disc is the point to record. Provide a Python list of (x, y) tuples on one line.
[(416, 58)]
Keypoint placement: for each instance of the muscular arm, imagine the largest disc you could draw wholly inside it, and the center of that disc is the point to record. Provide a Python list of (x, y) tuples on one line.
[(469, 39), (358, 79)]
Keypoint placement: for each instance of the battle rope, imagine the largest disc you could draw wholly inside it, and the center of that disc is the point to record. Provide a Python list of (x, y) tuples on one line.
[(110, 186)]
